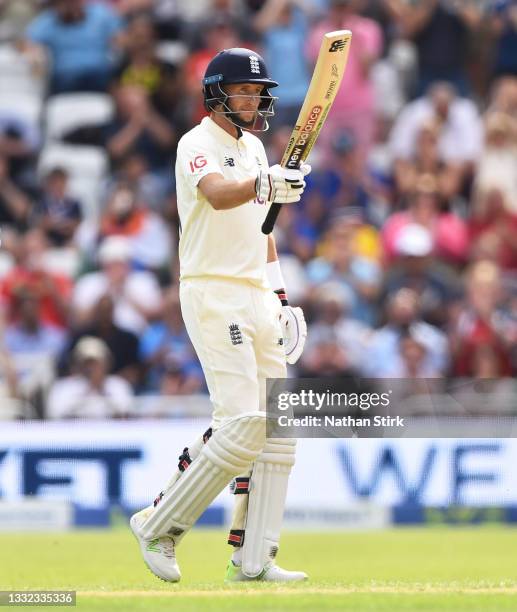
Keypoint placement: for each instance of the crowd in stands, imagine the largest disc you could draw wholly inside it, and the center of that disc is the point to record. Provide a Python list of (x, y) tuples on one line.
[(403, 251)]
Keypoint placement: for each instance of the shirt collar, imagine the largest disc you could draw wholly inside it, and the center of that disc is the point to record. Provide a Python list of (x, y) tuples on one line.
[(210, 125)]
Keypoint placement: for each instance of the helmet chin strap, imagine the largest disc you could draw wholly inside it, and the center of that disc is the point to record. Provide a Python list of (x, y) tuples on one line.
[(258, 124), (245, 125)]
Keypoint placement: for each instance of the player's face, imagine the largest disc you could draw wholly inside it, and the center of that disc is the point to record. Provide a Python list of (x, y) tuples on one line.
[(244, 100)]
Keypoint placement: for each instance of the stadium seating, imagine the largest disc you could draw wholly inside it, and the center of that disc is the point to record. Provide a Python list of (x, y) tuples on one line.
[(66, 112), (87, 167)]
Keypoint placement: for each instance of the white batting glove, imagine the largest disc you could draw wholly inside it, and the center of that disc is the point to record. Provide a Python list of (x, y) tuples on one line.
[(305, 169), (294, 331), (280, 185)]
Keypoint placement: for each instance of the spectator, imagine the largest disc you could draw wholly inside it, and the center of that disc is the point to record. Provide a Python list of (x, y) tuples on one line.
[(342, 183), (91, 392), (218, 34), (354, 106), (427, 160), (483, 323), (440, 32), (133, 171), (123, 344), (146, 232), (460, 140), (14, 204), (499, 159), (503, 97), (167, 14), (283, 25), (140, 65), (340, 262), (57, 213), (232, 12), (80, 38), (331, 304), (138, 127), (448, 231), (136, 295), (416, 268), (30, 334), (19, 142), (504, 26), (166, 350), (405, 336), (413, 357), (492, 228), (326, 358), (31, 274), (179, 380)]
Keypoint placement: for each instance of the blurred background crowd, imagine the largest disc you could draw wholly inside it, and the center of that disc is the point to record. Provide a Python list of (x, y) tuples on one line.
[(403, 251)]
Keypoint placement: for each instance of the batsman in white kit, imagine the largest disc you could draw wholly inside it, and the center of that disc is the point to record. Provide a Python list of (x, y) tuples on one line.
[(236, 312)]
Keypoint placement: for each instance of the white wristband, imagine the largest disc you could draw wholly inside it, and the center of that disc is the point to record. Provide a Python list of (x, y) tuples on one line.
[(274, 275)]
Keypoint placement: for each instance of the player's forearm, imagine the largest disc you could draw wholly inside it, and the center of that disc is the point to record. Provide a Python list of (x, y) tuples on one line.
[(226, 194)]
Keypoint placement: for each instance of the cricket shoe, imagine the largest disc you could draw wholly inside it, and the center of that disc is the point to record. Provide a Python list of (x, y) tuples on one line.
[(270, 573), (158, 553)]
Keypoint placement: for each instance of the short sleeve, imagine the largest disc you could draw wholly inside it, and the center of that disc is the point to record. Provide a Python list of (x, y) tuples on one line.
[(40, 29), (195, 160), (112, 20)]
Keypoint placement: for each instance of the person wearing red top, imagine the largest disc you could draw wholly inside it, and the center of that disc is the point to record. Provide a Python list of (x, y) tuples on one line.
[(492, 228), (52, 290), (483, 324)]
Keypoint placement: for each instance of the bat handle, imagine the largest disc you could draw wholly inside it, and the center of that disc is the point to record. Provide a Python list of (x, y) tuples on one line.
[(269, 223)]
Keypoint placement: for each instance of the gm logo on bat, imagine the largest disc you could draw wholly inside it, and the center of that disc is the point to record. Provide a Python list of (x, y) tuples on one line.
[(337, 45)]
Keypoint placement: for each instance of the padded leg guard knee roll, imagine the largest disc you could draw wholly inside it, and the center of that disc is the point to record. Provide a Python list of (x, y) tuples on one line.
[(266, 501), (229, 452)]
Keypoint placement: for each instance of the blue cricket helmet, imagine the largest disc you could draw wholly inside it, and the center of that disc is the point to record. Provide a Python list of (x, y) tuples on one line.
[(237, 65)]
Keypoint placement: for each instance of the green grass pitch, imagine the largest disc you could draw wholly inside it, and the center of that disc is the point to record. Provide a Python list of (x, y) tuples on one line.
[(434, 568)]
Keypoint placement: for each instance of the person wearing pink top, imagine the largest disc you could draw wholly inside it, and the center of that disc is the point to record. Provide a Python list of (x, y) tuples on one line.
[(354, 107), (448, 231)]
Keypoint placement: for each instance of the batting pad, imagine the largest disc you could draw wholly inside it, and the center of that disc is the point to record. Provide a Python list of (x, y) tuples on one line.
[(229, 452), (266, 501)]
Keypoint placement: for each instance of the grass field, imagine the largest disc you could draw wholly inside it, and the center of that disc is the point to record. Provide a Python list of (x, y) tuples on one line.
[(428, 569)]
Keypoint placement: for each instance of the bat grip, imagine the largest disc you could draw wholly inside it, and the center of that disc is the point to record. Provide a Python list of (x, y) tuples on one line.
[(272, 214)]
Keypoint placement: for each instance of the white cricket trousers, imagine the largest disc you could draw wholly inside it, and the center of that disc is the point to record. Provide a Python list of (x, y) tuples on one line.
[(234, 328)]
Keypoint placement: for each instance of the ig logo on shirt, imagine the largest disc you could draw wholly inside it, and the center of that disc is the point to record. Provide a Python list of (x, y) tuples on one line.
[(198, 163)]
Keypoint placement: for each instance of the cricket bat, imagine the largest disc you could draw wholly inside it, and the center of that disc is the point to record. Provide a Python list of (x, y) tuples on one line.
[(324, 85)]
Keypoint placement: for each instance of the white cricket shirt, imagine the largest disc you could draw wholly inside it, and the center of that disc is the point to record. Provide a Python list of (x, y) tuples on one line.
[(222, 243)]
